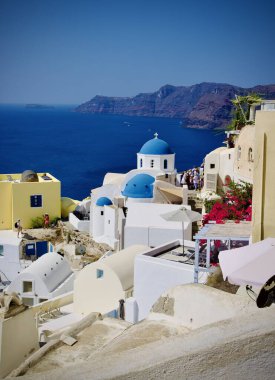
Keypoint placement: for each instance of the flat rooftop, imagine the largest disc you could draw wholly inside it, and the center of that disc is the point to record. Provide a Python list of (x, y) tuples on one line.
[(175, 253), (229, 230), (16, 178)]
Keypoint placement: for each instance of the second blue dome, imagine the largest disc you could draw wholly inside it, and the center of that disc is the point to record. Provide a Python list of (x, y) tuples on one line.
[(104, 201), (140, 186)]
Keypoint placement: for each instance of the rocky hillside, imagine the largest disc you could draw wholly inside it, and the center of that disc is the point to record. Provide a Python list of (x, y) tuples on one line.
[(204, 105)]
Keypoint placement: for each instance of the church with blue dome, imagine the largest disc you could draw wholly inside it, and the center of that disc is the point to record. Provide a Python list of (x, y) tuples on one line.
[(156, 146), (157, 154), (152, 182)]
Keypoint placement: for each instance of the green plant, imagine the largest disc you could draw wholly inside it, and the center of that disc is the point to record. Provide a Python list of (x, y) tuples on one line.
[(208, 204), (241, 111), (37, 222), (54, 221)]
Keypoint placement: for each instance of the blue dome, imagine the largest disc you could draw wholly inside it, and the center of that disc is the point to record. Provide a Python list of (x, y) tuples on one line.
[(104, 201), (140, 186), (156, 146)]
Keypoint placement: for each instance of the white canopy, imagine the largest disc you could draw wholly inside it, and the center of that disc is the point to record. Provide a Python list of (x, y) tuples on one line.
[(250, 265)]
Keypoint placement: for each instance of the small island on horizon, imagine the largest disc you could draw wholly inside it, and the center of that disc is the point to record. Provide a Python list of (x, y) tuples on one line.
[(39, 106)]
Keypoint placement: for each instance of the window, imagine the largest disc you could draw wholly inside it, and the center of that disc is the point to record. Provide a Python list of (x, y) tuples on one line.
[(229, 156), (141, 162), (101, 212), (152, 163), (27, 301), (212, 166), (239, 153), (36, 200), (165, 164), (99, 273), (1, 250), (250, 155), (27, 287)]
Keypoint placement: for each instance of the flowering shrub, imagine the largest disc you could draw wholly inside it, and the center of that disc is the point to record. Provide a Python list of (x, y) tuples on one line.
[(235, 204)]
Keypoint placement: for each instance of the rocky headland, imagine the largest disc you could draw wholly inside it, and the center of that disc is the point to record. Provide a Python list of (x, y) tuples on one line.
[(204, 105)]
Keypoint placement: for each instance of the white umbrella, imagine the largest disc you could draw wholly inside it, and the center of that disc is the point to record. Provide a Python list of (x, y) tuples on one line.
[(183, 215), (250, 265)]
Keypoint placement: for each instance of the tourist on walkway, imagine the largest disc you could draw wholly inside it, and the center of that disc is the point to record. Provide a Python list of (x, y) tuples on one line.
[(46, 221), (196, 181), (183, 179), (19, 228)]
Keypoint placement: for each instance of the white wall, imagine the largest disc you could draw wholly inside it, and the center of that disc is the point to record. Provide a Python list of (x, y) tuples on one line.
[(144, 225), (10, 261), (97, 220), (135, 235), (65, 287), (154, 236), (92, 294), (153, 276), (80, 225), (226, 164), (111, 234), (158, 236), (40, 290), (50, 276), (213, 158), (158, 162), (18, 338)]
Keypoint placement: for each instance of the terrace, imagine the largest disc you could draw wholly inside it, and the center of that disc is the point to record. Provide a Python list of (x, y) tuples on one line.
[(17, 178), (229, 235)]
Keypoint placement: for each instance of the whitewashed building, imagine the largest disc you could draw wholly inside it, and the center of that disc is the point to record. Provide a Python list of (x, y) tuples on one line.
[(46, 278), (10, 253), (226, 164), (156, 271), (145, 225), (100, 285), (151, 183)]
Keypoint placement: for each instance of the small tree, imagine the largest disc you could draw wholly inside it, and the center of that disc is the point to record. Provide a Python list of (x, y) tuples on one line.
[(242, 105)]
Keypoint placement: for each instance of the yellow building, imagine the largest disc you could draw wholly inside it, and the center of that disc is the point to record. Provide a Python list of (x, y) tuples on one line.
[(26, 196), (263, 203)]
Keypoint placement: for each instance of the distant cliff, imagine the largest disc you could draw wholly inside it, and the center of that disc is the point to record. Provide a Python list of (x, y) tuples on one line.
[(204, 105)]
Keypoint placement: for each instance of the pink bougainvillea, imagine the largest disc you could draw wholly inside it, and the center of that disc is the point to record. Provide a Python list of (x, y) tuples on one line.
[(236, 204)]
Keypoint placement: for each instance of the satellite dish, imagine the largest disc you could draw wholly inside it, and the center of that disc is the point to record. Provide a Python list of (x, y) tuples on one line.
[(267, 294), (29, 176)]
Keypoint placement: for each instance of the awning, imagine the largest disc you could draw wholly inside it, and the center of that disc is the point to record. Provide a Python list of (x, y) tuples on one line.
[(173, 194)]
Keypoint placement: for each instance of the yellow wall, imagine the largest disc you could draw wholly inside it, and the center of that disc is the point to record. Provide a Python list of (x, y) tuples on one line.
[(18, 339), (15, 201), (21, 208), (263, 219), (243, 167), (5, 205)]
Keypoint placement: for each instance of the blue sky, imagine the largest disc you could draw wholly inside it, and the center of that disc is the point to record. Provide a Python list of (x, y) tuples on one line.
[(67, 51)]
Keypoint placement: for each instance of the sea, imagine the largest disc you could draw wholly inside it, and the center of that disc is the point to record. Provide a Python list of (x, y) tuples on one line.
[(79, 149)]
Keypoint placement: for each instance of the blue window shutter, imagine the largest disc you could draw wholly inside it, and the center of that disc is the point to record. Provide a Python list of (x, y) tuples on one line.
[(36, 200)]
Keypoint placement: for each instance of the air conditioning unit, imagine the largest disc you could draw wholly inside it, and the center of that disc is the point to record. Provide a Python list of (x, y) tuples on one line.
[(211, 182)]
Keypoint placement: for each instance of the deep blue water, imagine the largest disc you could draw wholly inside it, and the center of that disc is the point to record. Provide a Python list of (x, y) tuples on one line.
[(79, 149)]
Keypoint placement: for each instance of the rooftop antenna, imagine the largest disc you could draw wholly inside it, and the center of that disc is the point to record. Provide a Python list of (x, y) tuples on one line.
[(156, 135)]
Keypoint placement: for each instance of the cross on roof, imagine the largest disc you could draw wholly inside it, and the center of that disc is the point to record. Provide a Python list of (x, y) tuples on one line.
[(156, 135)]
